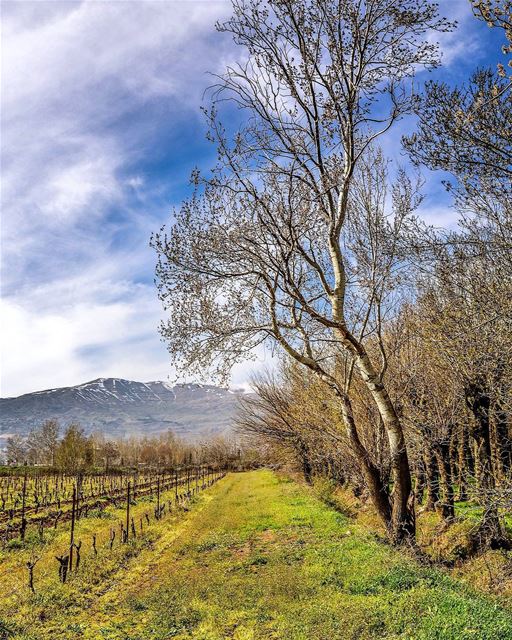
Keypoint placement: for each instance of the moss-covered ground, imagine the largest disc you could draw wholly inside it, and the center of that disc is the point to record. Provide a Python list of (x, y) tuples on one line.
[(257, 556)]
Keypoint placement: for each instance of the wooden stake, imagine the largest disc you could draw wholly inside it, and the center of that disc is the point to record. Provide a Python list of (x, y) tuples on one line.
[(72, 535), (128, 511), (23, 503)]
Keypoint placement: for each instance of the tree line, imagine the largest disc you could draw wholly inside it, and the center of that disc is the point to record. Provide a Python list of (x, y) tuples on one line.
[(72, 451), (394, 335)]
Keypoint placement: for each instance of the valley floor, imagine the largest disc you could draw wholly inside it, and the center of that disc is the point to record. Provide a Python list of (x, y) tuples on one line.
[(258, 557)]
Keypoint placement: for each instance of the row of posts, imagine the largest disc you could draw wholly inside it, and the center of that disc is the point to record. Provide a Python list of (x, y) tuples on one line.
[(74, 509), (66, 561)]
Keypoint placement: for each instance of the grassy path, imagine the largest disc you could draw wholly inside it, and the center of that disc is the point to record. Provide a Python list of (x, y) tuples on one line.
[(258, 557)]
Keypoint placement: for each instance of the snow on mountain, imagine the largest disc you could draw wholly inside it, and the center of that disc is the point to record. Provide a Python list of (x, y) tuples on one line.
[(121, 407)]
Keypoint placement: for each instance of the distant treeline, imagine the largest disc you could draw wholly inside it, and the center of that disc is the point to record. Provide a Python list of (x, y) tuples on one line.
[(72, 451)]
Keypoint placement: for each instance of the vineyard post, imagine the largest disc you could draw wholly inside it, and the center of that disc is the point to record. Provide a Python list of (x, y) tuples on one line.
[(188, 480), (197, 480), (72, 535), (158, 497), (78, 492), (176, 484), (128, 511), (23, 502), (63, 567), (40, 529)]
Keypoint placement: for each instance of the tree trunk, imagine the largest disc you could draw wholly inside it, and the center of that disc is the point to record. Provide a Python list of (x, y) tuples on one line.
[(454, 455), (503, 440), (479, 404), (420, 484), (432, 475), (442, 452), (307, 470), (463, 453), (403, 522), (490, 532), (379, 493)]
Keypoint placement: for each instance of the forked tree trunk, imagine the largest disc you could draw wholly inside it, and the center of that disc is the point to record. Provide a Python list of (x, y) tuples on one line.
[(379, 493), (403, 521), (402, 526)]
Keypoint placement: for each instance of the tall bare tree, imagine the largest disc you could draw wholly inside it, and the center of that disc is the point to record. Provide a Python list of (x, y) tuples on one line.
[(49, 436), (261, 250)]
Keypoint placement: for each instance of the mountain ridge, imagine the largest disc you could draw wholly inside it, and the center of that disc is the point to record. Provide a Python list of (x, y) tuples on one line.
[(121, 407)]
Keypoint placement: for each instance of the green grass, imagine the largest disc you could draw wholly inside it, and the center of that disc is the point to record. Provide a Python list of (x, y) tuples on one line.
[(260, 557)]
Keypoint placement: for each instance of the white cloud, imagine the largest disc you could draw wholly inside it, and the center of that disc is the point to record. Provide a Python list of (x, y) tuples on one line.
[(439, 215), (457, 44), (87, 327), (69, 79), (77, 81), (60, 345)]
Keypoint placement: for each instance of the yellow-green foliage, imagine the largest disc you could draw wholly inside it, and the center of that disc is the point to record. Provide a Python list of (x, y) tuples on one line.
[(259, 557)]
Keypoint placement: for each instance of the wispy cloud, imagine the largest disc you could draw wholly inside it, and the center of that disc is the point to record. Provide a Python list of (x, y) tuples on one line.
[(88, 89)]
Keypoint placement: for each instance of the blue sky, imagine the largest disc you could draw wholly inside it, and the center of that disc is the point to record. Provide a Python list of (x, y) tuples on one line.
[(100, 129)]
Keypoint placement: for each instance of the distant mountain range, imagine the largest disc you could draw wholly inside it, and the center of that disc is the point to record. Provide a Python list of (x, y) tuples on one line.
[(120, 408)]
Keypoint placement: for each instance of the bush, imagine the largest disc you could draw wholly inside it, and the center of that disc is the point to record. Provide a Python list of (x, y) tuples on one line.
[(330, 493)]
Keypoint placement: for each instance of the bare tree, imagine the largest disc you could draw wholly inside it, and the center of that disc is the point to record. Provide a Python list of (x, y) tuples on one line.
[(467, 131), (261, 250), (49, 436), (280, 414), (16, 449)]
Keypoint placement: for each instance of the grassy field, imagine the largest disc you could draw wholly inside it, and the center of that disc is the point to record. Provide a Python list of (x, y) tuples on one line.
[(257, 557)]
